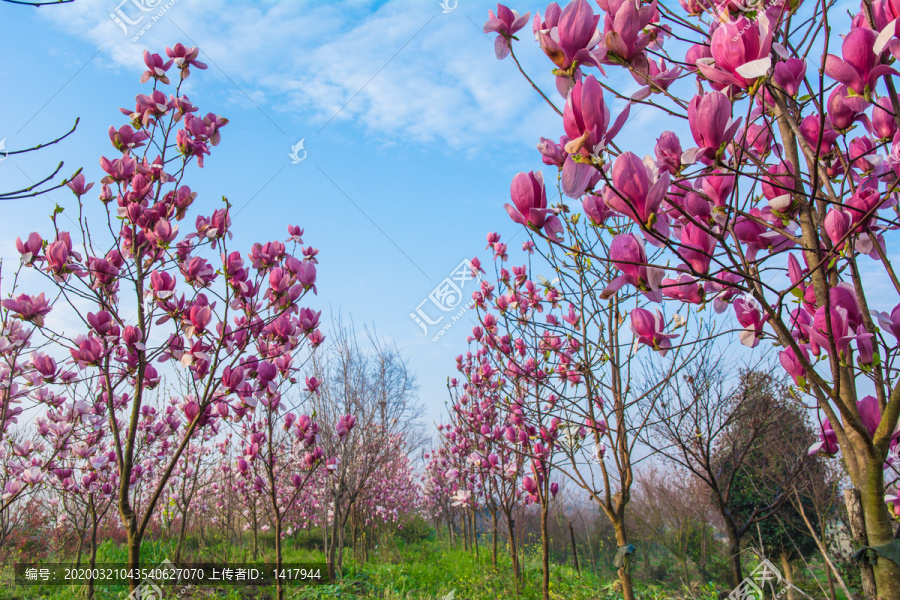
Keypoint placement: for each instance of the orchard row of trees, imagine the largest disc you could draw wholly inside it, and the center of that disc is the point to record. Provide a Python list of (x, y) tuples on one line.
[(150, 372)]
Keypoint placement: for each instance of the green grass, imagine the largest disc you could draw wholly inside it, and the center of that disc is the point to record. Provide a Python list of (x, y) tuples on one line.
[(426, 569)]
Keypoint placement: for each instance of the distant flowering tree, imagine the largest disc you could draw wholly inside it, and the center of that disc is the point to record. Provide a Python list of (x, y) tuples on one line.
[(146, 293), (775, 203)]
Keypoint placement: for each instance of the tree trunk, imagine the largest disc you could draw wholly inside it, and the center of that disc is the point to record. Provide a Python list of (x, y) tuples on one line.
[(625, 569), (134, 559), (788, 574), (494, 538), (734, 551), (545, 553), (93, 559), (181, 536), (513, 547), (574, 548), (879, 531), (278, 585), (853, 501)]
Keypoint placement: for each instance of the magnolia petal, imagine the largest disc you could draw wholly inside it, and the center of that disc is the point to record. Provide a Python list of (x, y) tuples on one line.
[(755, 68)]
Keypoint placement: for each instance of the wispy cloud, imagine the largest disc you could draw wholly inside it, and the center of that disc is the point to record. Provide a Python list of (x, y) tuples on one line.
[(403, 72)]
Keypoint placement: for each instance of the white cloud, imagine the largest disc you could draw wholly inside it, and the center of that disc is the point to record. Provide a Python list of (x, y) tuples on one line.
[(406, 72)]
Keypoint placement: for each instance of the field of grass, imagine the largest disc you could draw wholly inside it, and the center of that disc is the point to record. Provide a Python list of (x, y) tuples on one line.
[(424, 569)]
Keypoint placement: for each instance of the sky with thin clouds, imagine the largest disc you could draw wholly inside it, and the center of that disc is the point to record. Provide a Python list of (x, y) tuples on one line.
[(411, 129)]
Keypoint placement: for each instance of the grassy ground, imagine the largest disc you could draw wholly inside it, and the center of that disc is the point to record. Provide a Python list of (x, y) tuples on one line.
[(397, 570)]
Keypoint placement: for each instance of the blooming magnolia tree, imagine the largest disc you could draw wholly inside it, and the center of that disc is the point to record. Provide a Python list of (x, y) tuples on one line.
[(776, 203), (227, 325)]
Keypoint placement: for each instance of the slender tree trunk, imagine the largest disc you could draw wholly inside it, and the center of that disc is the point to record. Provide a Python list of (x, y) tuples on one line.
[(93, 559), (788, 571), (474, 531), (574, 548), (625, 569), (494, 538), (513, 548), (734, 551), (545, 553), (278, 585), (134, 557), (181, 534)]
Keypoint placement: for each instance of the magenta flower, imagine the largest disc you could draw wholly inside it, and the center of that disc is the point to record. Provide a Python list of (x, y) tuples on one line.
[(837, 224), (586, 119), (632, 193), (709, 117), (751, 318), (628, 255), (30, 248), (790, 362), (789, 75), (567, 36), (740, 50), (595, 208), (827, 443), (869, 413), (625, 30), (697, 248), (890, 322), (859, 69), (668, 153), (156, 68), (505, 23), (883, 123), (29, 308), (76, 184), (650, 330), (844, 109), (815, 136), (530, 198), (184, 58)]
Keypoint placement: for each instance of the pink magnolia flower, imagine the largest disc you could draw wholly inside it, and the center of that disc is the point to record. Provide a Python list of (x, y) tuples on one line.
[(632, 193), (29, 308), (650, 329), (628, 255), (740, 51), (837, 224), (76, 184), (790, 362), (586, 119), (567, 35), (883, 123), (668, 153), (827, 443), (184, 58), (709, 117), (789, 75), (844, 109), (156, 68), (698, 247), (625, 30), (751, 318), (505, 23), (859, 69), (30, 249)]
